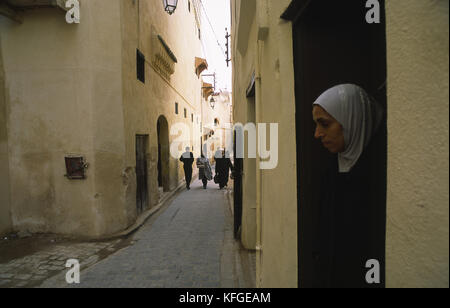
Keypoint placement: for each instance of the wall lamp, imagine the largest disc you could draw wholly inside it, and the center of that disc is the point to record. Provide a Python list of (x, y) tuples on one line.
[(170, 6)]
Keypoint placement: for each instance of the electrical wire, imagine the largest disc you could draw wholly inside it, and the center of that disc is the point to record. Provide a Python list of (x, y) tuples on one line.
[(212, 28)]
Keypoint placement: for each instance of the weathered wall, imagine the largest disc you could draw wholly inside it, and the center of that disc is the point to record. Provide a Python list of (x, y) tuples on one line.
[(104, 21), (145, 103), (223, 135), (72, 89), (279, 215), (275, 103), (63, 96), (418, 149), (5, 206), (417, 226), (244, 110)]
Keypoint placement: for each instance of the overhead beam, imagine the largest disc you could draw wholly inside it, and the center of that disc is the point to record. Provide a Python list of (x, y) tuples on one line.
[(8, 8), (61, 4), (5, 10)]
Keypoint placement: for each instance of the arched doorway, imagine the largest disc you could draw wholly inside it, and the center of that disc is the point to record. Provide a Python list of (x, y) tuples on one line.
[(163, 154)]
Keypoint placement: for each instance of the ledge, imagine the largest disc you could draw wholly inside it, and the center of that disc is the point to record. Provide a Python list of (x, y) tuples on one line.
[(169, 51), (11, 8), (29, 4), (7, 11)]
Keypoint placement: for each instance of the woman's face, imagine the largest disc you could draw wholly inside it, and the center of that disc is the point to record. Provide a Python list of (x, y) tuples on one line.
[(328, 130)]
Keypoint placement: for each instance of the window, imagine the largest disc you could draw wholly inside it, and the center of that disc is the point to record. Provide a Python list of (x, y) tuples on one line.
[(140, 66), (192, 117), (185, 113), (75, 168), (189, 6), (176, 108)]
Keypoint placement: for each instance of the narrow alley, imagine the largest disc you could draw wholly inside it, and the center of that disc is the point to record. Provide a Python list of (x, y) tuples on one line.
[(328, 121), (188, 244)]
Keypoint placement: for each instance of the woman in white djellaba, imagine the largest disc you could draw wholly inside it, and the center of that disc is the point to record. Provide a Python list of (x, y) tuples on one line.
[(205, 172)]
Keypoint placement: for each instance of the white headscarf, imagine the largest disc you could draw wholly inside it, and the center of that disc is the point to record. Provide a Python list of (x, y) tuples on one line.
[(359, 115)]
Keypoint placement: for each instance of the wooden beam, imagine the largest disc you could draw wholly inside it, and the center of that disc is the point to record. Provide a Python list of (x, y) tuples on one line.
[(5, 10)]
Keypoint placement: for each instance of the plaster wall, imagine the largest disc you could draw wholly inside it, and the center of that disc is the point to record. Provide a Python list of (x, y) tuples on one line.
[(73, 89), (278, 186), (223, 134), (63, 96), (274, 103), (417, 197), (5, 206), (418, 148), (145, 103), (244, 112)]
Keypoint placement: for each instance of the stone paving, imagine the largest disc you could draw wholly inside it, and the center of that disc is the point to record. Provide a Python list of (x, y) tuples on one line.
[(32, 270), (188, 245)]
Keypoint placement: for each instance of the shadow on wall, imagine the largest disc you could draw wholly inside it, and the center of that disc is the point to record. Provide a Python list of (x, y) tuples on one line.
[(163, 154), (5, 206)]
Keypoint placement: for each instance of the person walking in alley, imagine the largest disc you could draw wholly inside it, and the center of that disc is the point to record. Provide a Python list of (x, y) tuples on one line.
[(205, 173), (188, 160), (223, 168), (349, 232)]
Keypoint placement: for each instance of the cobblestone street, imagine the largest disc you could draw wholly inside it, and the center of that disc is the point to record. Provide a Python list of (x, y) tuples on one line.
[(188, 244), (32, 269)]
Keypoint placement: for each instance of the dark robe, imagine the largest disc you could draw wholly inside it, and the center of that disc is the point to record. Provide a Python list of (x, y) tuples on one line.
[(188, 161), (350, 224), (223, 168)]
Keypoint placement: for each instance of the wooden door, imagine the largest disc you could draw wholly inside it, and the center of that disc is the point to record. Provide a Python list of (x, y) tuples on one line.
[(238, 169), (141, 173)]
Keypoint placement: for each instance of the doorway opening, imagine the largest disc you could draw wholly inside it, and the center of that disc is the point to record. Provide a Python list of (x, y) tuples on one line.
[(141, 173), (163, 154), (333, 44), (238, 192)]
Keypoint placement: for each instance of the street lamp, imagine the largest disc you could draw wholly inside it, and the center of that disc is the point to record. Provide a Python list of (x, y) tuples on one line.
[(170, 6)]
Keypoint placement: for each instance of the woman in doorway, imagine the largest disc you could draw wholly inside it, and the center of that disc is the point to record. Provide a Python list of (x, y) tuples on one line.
[(350, 218)]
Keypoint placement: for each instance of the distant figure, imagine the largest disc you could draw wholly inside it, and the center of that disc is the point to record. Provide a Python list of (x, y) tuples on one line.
[(223, 168), (205, 173), (218, 154), (188, 160)]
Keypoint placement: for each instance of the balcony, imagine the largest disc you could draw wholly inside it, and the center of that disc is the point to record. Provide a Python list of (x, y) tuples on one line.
[(163, 59)]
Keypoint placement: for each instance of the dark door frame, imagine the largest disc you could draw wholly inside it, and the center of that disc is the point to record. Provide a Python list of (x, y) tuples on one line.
[(142, 193), (163, 153), (238, 193), (309, 36)]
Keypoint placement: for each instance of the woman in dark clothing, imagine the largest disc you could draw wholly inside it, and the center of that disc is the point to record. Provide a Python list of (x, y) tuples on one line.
[(350, 223), (223, 168), (188, 160)]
